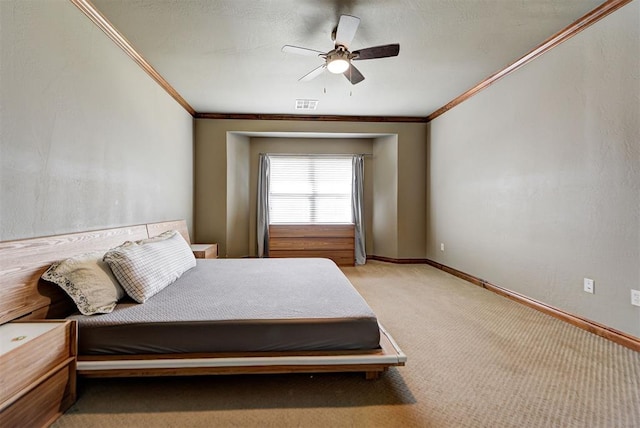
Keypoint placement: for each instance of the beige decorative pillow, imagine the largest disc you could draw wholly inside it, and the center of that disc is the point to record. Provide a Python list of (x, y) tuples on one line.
[(145, 267), (88, 281)]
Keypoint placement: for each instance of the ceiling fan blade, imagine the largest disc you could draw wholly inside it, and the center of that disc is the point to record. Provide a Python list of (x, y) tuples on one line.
[(301, 51), (312, 74), (347, 27), (353, 75), (384, 51)]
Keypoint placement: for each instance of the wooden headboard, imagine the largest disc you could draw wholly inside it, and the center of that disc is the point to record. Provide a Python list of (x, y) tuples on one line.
[(22, 262), (154, 229)]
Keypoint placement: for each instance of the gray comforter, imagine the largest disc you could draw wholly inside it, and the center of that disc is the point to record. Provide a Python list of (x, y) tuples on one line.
[(239, 305)]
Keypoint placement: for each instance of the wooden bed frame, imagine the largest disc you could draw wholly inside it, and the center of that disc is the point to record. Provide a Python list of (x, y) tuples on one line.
[(24, 296)]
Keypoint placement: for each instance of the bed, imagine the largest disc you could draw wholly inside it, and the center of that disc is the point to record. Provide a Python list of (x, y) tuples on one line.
[(224, 316)]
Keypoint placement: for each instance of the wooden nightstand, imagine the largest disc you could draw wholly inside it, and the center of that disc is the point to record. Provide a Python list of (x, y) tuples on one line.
[(38, 360), (205, 251)]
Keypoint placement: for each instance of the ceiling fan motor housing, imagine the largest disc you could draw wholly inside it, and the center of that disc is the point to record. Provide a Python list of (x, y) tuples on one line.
[(340, 52)]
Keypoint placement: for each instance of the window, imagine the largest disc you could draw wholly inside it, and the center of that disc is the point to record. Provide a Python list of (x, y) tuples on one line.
[(310, 189)]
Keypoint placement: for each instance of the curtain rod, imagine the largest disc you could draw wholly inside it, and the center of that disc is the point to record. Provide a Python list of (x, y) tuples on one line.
[(317, 154)]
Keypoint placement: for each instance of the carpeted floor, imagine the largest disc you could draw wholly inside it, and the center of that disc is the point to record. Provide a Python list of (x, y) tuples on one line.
[(475, 359)]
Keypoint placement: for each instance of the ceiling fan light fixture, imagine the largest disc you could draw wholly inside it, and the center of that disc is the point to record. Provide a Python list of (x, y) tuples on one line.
[(338, 66), (338, 61)]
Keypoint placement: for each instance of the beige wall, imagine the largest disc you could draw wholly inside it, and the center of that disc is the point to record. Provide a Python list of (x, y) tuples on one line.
[(238, 186), (87, 139), (535, 182), (211, 160), (385, 187)]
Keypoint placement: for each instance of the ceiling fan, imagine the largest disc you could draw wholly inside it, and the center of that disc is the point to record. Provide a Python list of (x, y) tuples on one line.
[(338, 60)]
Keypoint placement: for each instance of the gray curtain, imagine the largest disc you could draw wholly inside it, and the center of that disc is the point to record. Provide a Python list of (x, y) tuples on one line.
[(357, 196), (262, 222)]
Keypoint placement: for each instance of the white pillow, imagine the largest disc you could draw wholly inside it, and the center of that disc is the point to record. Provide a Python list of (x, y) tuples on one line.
[(146, 267), (88, 281)]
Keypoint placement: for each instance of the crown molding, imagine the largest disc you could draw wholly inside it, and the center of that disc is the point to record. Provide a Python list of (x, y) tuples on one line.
[(107, 27), (307, 117), (585, 21), (580, 24)]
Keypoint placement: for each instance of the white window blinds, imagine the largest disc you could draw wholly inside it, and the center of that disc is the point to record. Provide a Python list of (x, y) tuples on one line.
[(310, 189)]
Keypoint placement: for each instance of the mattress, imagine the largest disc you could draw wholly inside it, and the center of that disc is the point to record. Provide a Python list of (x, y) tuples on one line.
[(239, 305)]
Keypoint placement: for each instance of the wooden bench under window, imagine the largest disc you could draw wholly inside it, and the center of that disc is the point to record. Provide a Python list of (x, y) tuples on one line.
[(331, 241)]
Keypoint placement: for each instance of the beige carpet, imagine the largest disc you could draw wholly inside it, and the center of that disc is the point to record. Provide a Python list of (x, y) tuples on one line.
[(475, 360)]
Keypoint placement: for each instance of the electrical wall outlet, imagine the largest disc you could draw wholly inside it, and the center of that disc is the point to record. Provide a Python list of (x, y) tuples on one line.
[(635, 297), (441, 246), (589, 285)]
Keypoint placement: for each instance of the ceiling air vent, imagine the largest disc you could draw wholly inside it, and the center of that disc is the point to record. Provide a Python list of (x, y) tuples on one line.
[(306, 104)]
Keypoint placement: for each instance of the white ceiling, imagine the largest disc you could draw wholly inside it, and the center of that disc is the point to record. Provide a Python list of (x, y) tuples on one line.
[(224, 56)]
